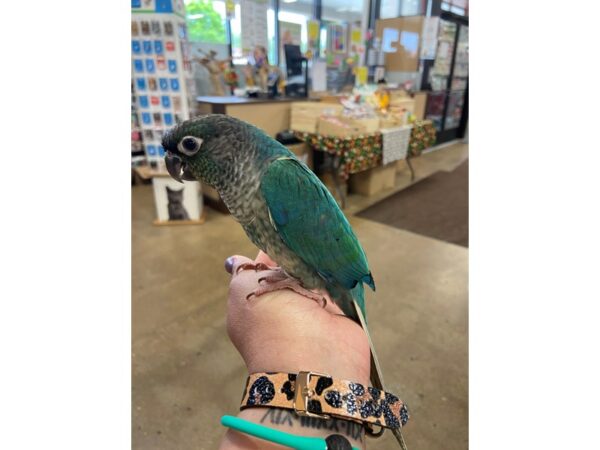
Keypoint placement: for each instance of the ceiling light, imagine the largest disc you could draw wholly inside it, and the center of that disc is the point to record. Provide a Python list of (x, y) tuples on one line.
[(290, 1)]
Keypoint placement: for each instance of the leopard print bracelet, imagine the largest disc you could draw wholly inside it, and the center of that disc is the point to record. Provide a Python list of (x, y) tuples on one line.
[(318, 395)]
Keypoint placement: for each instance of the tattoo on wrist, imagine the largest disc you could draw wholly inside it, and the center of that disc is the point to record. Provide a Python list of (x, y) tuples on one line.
[(278, 416)]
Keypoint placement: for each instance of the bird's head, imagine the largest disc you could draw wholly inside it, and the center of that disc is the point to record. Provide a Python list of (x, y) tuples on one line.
[(202, 148)]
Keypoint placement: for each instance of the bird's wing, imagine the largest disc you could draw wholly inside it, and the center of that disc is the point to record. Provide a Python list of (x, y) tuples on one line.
[(312, 225)]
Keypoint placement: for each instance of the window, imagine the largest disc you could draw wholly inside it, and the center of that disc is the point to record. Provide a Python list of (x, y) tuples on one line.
[(247, 12), (399, 8), (236, 37), (340, 19), (293, 24), (389, 9), (460, 7), (206, 21)]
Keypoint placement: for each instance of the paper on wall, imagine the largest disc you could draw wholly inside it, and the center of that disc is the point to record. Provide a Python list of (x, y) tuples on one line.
[(230, 9), (429, 37), (319, 75), (254, 24), (313, 29)]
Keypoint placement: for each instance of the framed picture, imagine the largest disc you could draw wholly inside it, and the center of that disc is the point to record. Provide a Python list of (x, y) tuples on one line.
[(176, 202), (337, 38)]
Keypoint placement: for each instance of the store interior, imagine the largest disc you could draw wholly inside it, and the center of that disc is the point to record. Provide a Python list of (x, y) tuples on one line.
[(372, 96)]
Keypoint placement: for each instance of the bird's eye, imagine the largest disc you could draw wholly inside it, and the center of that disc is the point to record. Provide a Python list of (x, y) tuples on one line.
[(190, 145)]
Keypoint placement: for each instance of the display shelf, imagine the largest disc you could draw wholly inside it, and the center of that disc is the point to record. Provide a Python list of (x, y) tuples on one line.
[(161, 72)]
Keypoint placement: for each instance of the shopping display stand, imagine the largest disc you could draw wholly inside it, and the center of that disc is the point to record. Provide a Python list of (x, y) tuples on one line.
[(344, 156), (164, 89)]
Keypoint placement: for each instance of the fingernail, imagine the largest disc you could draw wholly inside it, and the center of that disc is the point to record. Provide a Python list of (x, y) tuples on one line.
[(229, 262)]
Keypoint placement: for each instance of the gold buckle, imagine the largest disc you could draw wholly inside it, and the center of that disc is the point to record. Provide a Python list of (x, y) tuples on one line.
[(304, 393)]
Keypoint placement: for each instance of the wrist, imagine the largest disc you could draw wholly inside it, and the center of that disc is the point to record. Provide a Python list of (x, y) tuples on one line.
[(289, 422), (332, 358)]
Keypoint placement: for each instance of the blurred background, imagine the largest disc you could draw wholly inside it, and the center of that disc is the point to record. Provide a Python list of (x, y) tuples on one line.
[(372, 95)]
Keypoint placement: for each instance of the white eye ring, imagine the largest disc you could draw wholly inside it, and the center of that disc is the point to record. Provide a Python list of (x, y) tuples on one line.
[(189, 145)]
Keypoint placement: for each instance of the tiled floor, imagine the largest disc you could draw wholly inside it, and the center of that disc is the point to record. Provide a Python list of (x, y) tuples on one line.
[(186, 373)]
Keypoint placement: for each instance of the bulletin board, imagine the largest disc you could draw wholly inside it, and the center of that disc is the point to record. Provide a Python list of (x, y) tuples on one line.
[(403, 37)]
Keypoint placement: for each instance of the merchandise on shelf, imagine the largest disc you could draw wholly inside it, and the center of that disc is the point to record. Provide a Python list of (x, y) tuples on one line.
[(161, 73)]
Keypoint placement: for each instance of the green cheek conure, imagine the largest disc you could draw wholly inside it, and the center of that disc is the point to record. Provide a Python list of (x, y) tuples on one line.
[(284, 208)]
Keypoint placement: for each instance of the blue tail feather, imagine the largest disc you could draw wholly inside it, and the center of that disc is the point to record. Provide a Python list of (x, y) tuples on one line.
[(368, 279)]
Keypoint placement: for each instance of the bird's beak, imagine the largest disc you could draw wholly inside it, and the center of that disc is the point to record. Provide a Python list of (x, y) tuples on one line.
[(177, 168)]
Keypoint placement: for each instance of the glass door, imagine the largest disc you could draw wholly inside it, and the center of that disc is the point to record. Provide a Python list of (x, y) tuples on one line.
[(458, 81), (440, 74), (448, 79)]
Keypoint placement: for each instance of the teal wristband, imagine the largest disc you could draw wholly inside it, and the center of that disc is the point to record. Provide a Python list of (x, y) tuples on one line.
[(279, 437)]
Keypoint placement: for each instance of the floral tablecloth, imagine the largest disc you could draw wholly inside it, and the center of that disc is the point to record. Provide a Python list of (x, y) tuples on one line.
[(356, 153), (364, 152), (422, 137)]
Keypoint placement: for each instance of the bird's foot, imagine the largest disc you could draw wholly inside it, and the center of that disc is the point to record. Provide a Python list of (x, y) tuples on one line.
[(280, 280)]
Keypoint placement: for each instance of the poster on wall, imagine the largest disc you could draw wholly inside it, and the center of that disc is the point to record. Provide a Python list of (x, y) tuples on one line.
[(337, 38), (254, 24), (313, 29), (230, 9), (319, 75), (356, 35), (357, 47), (429, 37)]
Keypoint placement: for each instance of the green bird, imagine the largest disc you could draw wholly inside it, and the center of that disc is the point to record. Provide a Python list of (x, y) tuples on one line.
[(283, 207)]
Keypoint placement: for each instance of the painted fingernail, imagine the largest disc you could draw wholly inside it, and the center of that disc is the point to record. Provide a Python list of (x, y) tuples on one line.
[(229, 262)]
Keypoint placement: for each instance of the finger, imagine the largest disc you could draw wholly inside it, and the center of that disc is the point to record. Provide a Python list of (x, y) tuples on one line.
[(262, 257)]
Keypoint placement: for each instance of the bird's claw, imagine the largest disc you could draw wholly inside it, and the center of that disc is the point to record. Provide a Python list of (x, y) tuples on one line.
[(279, 281), (257, 267)]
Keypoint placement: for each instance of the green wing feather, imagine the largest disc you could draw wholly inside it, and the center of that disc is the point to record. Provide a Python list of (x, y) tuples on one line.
[(312, 225)]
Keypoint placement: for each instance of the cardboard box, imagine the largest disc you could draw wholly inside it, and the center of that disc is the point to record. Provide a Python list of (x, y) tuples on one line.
[(373, 181), (346, 127), (402, 104), (420, 102), (328, 98), (369, 125), (327, 180), (303, 152), (338, 126), (305, 115)]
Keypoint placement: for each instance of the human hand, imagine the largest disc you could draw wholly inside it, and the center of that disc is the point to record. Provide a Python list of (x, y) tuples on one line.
[(283, 331)]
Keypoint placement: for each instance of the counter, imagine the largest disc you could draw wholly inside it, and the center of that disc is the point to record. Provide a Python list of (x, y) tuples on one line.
[(270, 114)]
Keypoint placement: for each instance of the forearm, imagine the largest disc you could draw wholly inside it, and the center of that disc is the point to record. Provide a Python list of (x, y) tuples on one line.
[(289, 422)]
